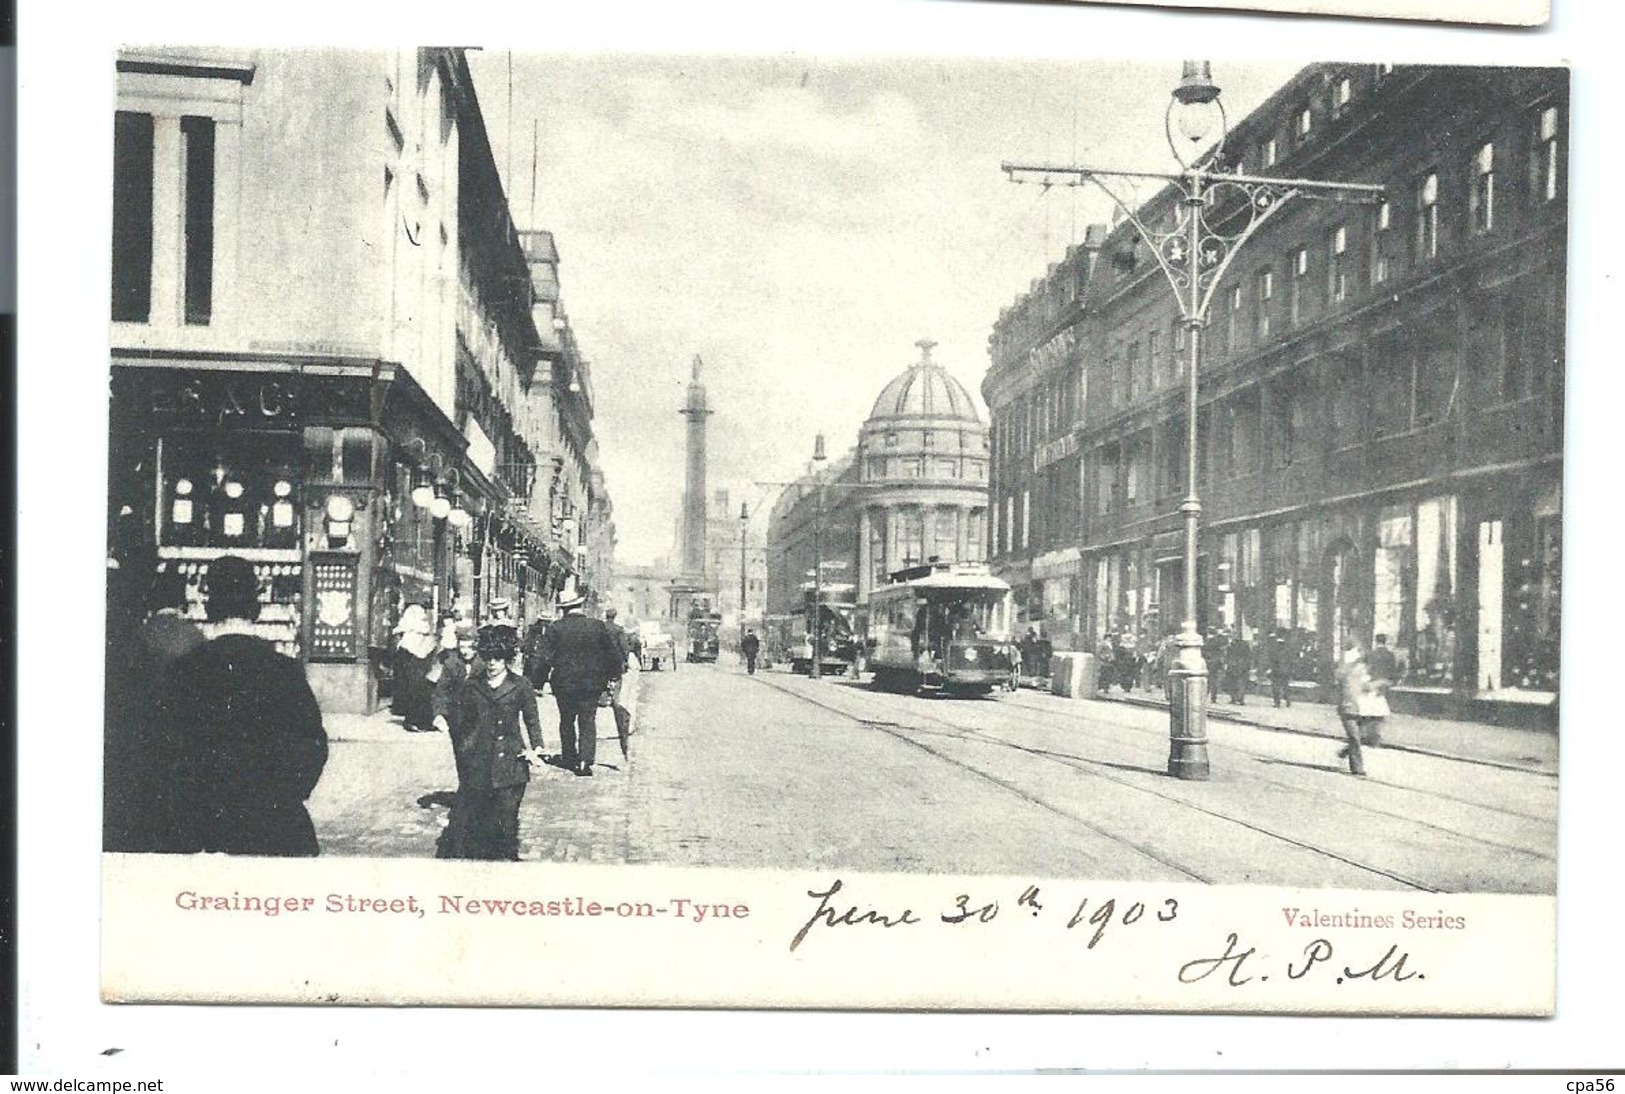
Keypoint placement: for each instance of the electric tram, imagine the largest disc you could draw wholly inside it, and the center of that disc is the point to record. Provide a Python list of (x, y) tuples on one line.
[(942, 628), (833, 620), (703, 628)]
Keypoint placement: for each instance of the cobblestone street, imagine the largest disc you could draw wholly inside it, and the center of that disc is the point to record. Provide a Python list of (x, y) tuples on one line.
[(778, 771)]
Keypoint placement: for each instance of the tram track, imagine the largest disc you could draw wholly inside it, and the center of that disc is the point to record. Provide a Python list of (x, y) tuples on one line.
[(904, 733), (1439, 795)]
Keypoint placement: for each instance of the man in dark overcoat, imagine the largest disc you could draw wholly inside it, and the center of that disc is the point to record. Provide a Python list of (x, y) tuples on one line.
[(623, 717), (579, 657), (751, 647), (1238, 668), (249, 740)]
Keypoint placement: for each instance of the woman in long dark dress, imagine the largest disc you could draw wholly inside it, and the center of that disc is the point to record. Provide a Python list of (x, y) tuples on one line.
[(414, 660), (497, 735)]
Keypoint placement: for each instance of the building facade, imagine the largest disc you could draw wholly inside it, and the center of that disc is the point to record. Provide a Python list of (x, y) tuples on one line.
[(333, 354), (913, 489), (1381, 399)]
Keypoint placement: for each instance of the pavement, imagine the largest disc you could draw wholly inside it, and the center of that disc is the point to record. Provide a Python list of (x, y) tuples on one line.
[(1499, 746), (780, 772)]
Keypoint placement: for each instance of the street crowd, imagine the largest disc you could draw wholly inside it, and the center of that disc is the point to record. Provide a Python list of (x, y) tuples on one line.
[(215, 743)]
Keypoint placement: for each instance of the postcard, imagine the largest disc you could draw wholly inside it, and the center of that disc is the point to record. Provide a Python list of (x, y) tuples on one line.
[(886, 534)]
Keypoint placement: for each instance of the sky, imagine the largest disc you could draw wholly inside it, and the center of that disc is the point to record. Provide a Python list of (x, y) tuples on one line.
[(799, 224)]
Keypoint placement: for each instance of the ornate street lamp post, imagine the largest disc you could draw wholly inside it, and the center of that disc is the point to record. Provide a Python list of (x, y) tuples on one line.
[(744, 528), (1217, 213), (816, 623)]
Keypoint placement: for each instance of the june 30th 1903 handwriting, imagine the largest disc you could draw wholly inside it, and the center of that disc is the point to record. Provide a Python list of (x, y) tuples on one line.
[(1092, 915), (1098, 918)]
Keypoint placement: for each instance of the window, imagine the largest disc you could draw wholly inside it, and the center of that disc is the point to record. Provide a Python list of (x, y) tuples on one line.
[(911, 536), (1026, 516), (1155, 363), (1544, 180), (1131, 369), (1342, 97), (1299, 302), (1382, 220), (891, 439), (973, 536), (1232, 320), (1114, 383), (1427, 217), (1265, 282), (132, 217), (1272, 152), (1305, 124), (929, 438), (947, 469), (197, 255), (1481, 198), (945, 535), (1337, 275)]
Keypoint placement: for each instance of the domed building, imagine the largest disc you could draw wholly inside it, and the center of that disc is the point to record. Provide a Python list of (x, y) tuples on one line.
[(913, 489)]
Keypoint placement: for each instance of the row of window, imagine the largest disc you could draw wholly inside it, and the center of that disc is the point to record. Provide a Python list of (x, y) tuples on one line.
[(135, 183), (931, 438), (1335, 271), (924, 467)]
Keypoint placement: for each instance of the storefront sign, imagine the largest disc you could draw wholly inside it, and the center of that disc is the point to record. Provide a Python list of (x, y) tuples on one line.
[(223, 398), (1051, 451), (333, 627)]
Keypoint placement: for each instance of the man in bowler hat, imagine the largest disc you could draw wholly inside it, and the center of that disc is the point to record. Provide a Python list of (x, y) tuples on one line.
[(580, 658)]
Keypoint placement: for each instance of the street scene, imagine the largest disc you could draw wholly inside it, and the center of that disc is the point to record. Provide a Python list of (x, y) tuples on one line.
[(1077, 790), (1130, 471)]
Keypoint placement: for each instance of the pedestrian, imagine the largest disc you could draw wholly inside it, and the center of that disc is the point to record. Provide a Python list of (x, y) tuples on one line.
[(578, 656), (623, 717), (1384, 665), (1278, 659), (1167, 657), (1106, 661), (1029, 653), (751, 646), (1044, 652), (1213, 654), (1238, 668), (415, 649), (250, 746), (495, 730), (456, 668), (1360, 706), (140, 744), (1126, 657)]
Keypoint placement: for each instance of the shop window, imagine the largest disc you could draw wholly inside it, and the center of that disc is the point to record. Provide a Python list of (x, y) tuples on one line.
[(1393, 580), (1534, 582), (132, 217), (1432, 659), (244, 497)]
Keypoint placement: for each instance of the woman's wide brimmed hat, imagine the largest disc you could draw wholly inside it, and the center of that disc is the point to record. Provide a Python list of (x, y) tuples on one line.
[(414, 620), (498, 640)]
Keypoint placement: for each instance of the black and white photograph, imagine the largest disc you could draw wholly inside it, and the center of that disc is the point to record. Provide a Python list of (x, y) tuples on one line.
[(1078, 474)]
